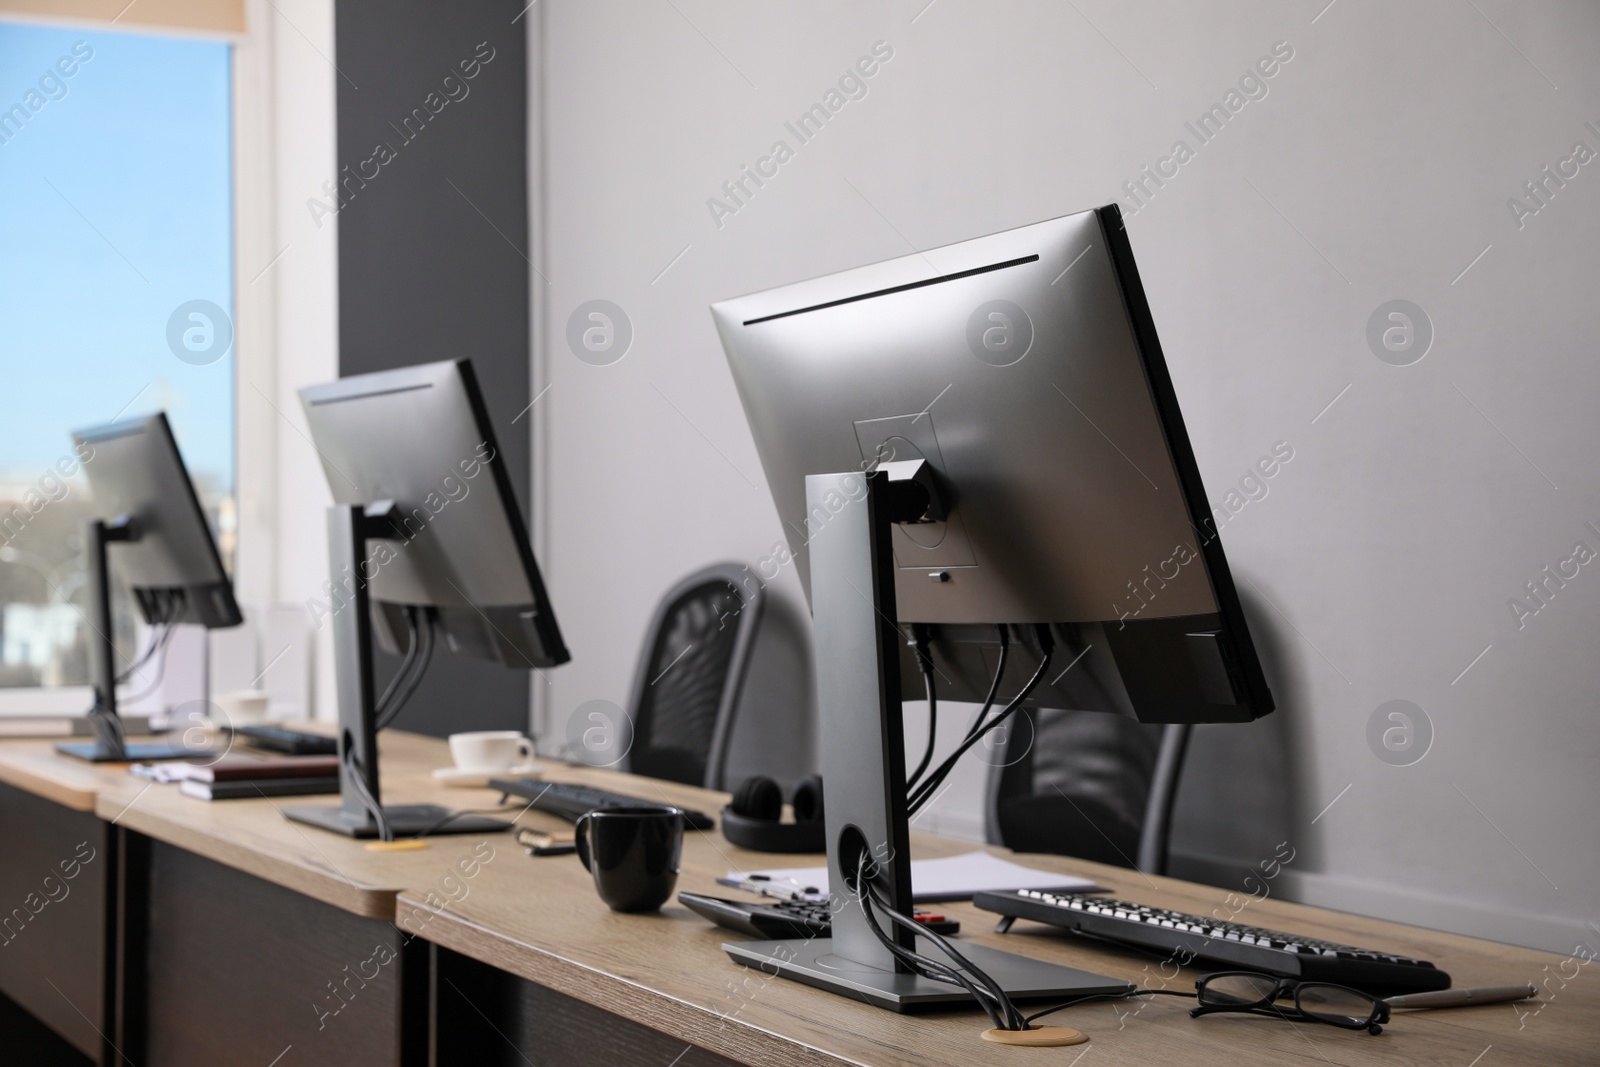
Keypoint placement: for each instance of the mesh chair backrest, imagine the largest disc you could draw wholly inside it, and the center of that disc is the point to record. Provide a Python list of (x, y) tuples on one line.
[(1074, 783), (689, 678)]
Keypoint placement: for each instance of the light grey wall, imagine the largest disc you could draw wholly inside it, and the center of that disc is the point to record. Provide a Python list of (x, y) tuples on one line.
[(1420, 499)]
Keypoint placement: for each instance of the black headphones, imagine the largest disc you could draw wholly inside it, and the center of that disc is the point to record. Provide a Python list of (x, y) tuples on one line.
[(753, 819)]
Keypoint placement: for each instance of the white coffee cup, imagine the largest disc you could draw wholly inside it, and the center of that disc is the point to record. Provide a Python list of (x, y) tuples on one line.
[(490, 750), (243, 707)]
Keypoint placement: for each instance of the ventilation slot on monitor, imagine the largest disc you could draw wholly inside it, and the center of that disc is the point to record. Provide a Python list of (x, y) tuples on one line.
[(898, 289), (365, 396)]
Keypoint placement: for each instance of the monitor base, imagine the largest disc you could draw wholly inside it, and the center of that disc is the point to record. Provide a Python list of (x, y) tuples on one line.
[(813, 963), (407, 820), (143, 752)]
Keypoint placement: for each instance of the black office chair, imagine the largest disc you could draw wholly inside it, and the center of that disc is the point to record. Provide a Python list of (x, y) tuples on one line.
[(690, 676), (1086, 784)]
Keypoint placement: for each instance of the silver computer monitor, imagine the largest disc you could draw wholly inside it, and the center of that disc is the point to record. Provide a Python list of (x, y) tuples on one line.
[(420, 437), (148, 525), (173, 567), (1025, 368), (425, 536), (1042, 485)]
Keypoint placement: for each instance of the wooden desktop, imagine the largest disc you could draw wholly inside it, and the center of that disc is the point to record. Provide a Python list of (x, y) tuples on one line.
[(223, 933)]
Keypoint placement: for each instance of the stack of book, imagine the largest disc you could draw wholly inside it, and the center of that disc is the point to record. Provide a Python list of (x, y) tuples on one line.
[(237, 777)]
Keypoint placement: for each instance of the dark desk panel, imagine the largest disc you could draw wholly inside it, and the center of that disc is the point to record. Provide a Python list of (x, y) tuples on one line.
[(55, 925), (485, 1017), (25, 1039), (239, 970)]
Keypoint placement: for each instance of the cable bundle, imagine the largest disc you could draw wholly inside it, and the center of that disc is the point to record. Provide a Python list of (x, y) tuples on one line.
[(984, 989), (358, 781), (413, 665), (920, 789), (419, 652), (168, 609)]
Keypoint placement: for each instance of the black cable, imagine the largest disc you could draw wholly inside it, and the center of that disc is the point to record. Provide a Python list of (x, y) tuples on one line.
[(388, 712), (408, 688), (1107, 996), (937, 972), (352, 768), (1013, 1017), (989, 988), (988, 993), (159, 633), (407, 661), (403, 690), (923, 966), (161, 670), (925, 664), (107, 726), (914, 783), (157, 647), (394, 697), (166, 615), (930, 785), (994, 687), (929, 788)]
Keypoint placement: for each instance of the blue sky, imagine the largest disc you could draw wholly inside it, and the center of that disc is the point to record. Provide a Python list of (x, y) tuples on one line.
[(140, 146)]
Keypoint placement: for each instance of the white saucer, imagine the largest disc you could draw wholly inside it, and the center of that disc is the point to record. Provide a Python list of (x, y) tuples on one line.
[(463, 779)]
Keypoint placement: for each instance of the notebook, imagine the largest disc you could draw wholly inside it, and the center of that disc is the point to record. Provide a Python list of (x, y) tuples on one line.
[(262, 787), (241, 769)]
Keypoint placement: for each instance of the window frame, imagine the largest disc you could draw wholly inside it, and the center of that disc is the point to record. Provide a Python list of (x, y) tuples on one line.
[(251, 72)]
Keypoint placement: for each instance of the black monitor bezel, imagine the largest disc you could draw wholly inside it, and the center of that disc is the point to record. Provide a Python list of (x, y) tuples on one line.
[(1170, 415)]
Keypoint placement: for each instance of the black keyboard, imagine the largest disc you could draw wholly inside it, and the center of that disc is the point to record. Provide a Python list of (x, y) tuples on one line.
[(292, 742), (1183, 936), (569, 801), (779, 920)]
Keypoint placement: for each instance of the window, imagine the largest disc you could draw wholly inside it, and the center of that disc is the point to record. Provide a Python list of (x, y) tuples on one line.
[(116, 300)]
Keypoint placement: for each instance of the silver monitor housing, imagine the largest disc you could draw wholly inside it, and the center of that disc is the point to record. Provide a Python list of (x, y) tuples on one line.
[(424, 522), (148, 518), (420, 437), (1025, 369), (975, 437)]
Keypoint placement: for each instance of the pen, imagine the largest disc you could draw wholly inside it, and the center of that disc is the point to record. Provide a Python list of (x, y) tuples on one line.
[(765, 886), (1454, 998)]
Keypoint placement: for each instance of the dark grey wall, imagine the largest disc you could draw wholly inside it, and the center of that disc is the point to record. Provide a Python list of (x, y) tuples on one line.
[(433, 242)]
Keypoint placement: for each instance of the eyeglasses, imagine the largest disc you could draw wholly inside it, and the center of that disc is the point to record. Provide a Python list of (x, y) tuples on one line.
[(1317, 1002)]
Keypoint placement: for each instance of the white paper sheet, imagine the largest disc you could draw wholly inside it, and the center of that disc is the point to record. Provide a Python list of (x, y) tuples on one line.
[(951, 878)]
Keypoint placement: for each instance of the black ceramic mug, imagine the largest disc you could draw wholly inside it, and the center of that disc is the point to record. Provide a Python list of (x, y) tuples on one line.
[(633, 854)]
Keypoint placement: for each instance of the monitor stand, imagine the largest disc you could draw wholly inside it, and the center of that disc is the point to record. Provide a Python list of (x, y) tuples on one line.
[(850, 522), (817, 963), (405, 820), (138, 752), (109, 745), (350, 527)]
